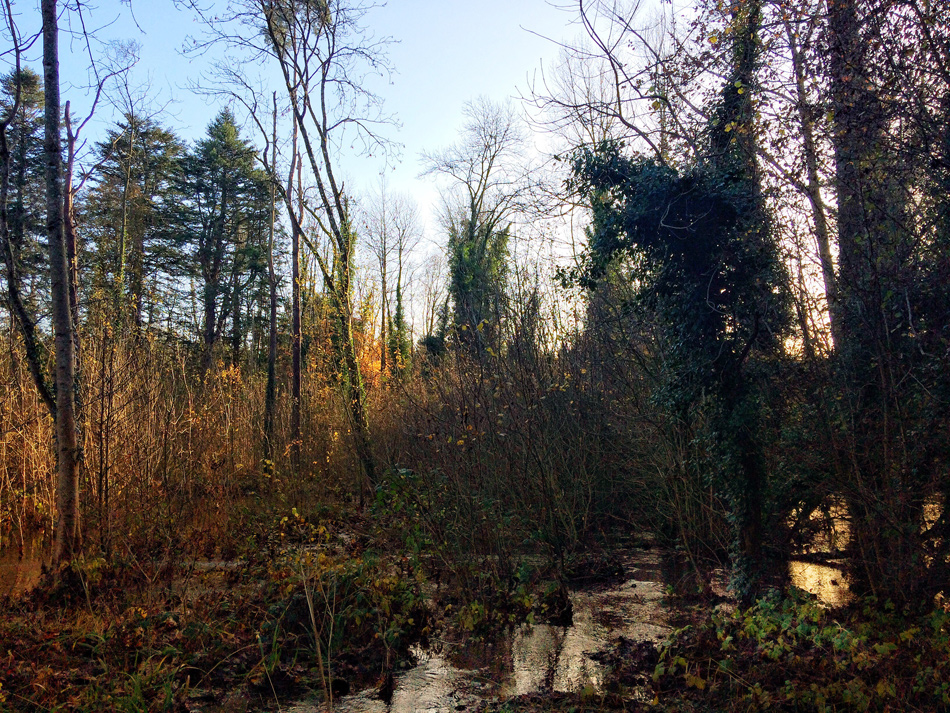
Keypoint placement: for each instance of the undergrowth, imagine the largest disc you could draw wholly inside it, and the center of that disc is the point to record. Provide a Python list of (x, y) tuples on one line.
[(302, 611), (793, 654)]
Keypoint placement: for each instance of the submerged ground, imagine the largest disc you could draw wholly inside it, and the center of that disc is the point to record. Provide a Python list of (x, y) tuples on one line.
[(314, 610)]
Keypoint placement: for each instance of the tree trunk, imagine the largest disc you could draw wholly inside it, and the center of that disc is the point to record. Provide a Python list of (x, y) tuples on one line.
[(384, 302), (212, 275), (69, 225), (210, 324), (237, 329), (270, 399), (67, 500), (354, 388), (124, 233), (880, 489), (734, 154), (819, 210), (295, 324)]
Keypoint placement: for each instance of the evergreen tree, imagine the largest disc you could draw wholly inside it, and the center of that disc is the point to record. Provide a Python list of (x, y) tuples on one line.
[(26, 208), (224, 219), (128, 216)]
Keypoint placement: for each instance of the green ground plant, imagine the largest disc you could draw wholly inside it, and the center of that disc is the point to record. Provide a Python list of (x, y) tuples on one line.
[(793, 654)]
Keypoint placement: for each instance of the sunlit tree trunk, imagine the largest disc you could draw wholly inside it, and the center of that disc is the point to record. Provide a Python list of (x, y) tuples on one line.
[(69, 225), (67, 500), (295, 333)]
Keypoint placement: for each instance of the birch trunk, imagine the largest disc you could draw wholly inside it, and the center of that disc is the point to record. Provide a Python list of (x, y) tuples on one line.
[(67, 492)]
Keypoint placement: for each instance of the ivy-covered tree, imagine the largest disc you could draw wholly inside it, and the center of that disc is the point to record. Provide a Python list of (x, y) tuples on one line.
[(704, 262), (488, 185), (478, 266)]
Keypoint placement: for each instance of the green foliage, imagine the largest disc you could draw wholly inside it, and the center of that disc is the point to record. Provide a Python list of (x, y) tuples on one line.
[(703, 262), (26, 202), (712, 275), (223, 222), (434, 345), (334, 602), (792, 654), (477, 274), (399, 343), (487, 593), (128, 212)]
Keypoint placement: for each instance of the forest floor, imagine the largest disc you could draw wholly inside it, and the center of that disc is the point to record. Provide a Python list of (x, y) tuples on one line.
[(298, 609)]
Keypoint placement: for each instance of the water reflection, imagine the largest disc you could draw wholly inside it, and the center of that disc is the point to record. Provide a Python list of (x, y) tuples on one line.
[(433, 684), (548, 658), (20, 571), (826, 582), (536, 658), (832, 534)]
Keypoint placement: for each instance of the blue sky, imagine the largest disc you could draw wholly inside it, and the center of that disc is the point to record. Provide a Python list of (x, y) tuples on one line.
[(445, 53)]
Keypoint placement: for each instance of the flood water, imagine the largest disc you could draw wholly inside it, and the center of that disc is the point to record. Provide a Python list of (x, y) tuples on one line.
[(20, 571), (538, 658), (453, 676), (825, 581), (456, 676)]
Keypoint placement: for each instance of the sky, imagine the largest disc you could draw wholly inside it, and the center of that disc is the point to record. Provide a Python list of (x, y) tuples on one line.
[(445, 53)]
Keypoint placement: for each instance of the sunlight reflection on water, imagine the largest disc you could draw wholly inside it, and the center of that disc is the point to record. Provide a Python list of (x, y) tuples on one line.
[(824, 581), (538, 658)]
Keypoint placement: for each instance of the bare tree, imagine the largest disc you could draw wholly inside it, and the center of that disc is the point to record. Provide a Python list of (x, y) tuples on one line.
[(618, 80), (377, 222), (67, 449), (392, 232), (433, 292), (574, 97), (325, 56)]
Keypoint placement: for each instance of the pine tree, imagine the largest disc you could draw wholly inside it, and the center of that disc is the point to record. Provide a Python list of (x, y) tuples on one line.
[(26, 208), (224, 222), (127, 214)]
